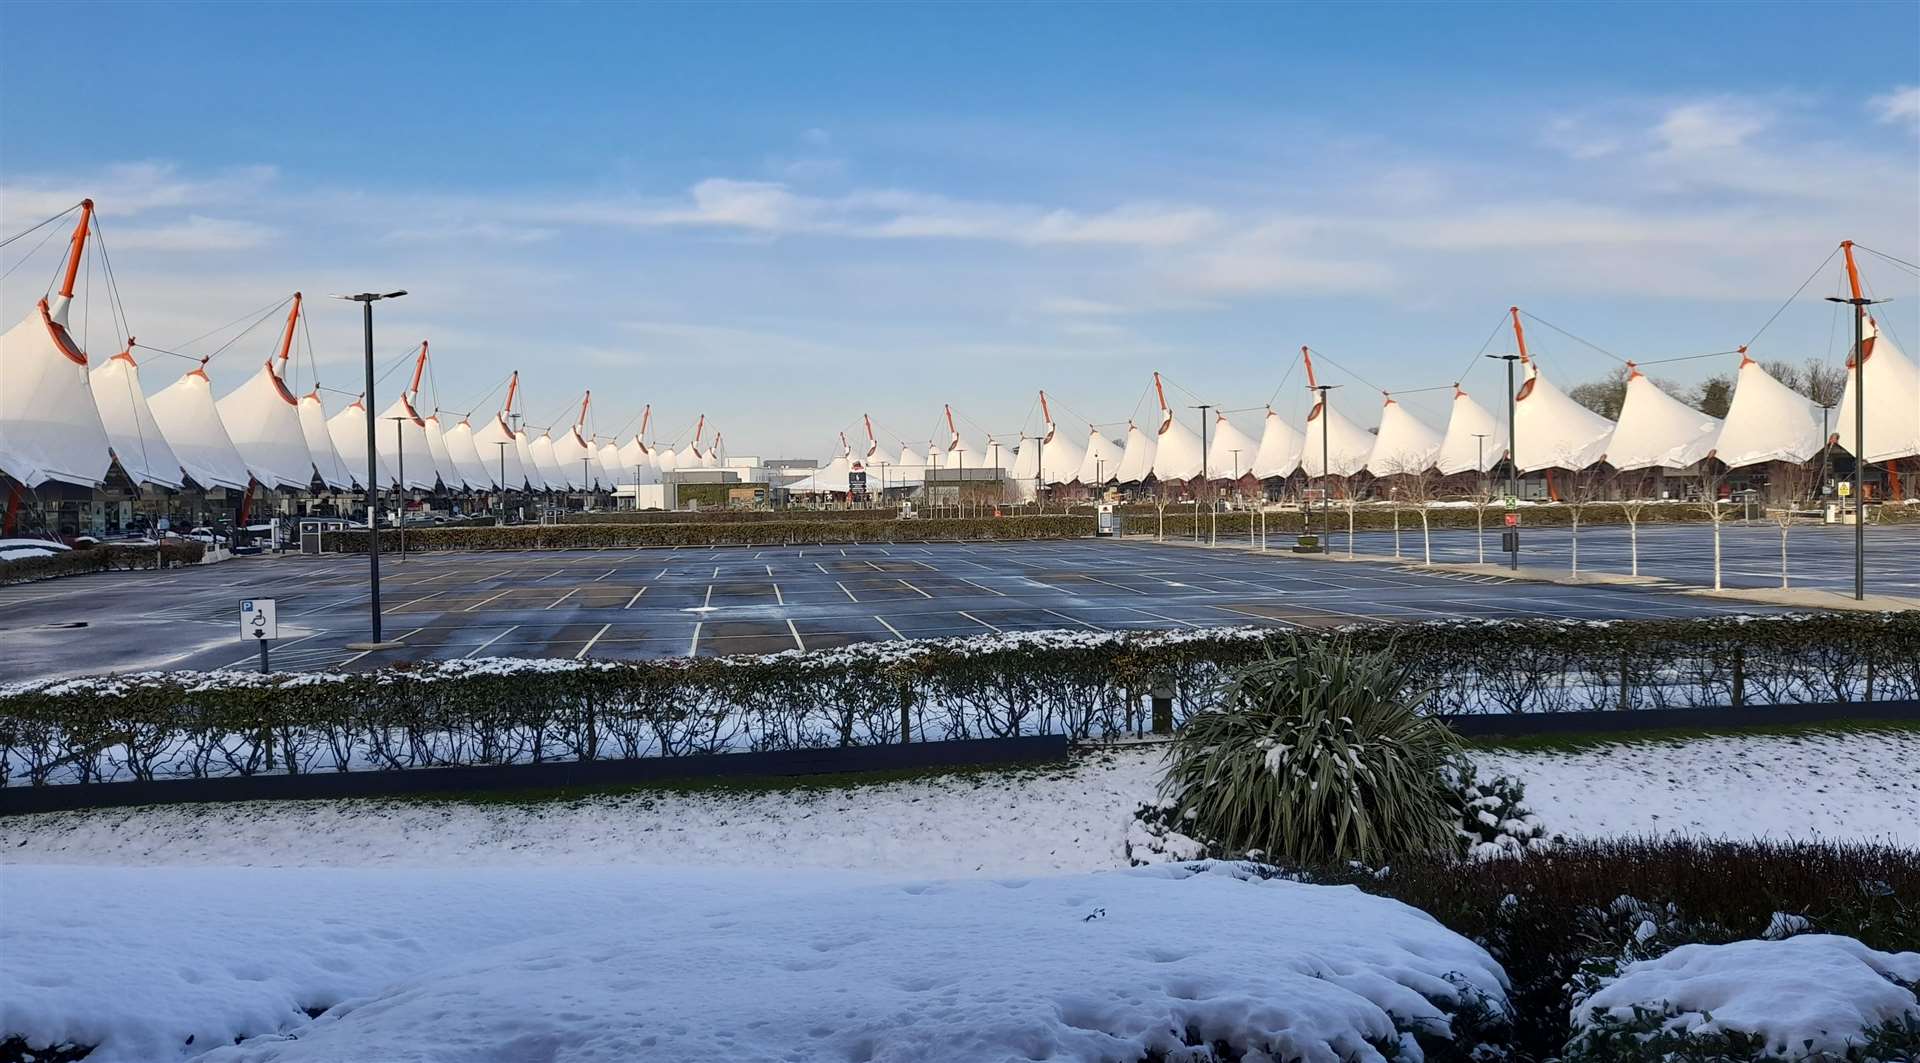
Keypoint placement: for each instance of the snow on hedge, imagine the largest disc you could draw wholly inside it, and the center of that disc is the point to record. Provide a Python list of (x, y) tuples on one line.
[(617, 965), (1816, 993)]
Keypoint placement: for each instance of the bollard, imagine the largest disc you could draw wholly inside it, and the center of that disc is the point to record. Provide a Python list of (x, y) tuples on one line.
[(1162, 694)]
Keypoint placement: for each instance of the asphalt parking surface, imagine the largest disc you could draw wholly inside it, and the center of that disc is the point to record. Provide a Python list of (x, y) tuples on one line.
[(650, 603), (1819, 557)]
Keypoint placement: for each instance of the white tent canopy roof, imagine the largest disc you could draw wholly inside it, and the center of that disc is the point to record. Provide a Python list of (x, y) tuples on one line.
[(188, 416), (487, 440), (1279, 452), (1893, 401), (1230, 453), (1101, 461), (1767, 421), (1657, 430), (636, 464), (348, 429), (1136, 461), (574, 458), (610, 466), (263, 419), (1404, 445), (1177, 454), (1022, 467), (555, 477), (404, 447), (465, 456), (138, 444), (49, 424), (1463, 449), (536, 477), (451, 477), (1060, 457), (1551, 431), (333, 470), (1345, 445)]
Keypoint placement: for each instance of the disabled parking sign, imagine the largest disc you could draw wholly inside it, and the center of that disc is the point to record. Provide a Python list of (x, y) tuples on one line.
[(258, 619)]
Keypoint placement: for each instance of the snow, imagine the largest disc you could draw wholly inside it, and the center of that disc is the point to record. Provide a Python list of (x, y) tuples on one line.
[(599, 964), (1843, 786), (1856, 786), (1812, 993)]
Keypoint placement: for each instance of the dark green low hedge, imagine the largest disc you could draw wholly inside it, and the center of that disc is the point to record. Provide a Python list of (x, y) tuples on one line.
[(747, 533), (729, 516), (1084, 684), (1380, 517), (105, 558)]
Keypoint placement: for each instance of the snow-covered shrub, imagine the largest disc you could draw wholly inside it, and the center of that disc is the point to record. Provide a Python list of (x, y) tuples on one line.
[(1316, 754), (1810, 997), (1494, 818), (1494, 821)]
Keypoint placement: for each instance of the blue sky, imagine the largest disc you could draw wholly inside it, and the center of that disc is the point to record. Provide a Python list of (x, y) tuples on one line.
[(786, 215)]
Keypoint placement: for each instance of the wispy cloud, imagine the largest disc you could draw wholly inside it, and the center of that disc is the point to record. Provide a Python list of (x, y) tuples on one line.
[(196, 233), (1900, 105)]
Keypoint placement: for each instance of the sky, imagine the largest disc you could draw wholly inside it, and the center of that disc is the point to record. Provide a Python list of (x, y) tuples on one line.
[(784, 216)]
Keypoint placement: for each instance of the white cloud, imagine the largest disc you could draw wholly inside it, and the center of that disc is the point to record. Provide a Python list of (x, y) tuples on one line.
[(128, 189), (1900, 105), (1709, 125), (196, 233)]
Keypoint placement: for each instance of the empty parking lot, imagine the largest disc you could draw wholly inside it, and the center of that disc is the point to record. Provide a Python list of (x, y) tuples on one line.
[(675, 602)]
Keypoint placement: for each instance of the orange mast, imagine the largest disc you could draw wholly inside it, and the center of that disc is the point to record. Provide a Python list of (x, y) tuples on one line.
[(583, 408), (646, 415), (954, 432), (1161, 391), (1045, 414), (1519, 334), (513, 385), (80, 243), (419, 366), (286, 341), (1853, 271), (1306, 355)]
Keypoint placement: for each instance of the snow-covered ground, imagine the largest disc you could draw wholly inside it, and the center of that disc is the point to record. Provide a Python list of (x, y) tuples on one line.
[(967, 916), (1858, 785), (613, 965)]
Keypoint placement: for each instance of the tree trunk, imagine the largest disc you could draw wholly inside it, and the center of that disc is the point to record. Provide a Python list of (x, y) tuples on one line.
[(1574, 552), (1426, 536), (1633, 541), (1783, 557), (1716, 548)]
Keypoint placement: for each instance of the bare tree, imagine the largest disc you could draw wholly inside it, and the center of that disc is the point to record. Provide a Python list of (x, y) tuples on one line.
[(1713, 476), (1482, 498), (1419, 488), (1631, 507), (1791, 483), (1583, 489), (1412, 482)]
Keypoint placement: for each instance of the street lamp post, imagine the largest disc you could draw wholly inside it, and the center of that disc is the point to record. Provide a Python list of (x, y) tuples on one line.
[(366, 301), (400, 486), (1513, 457), (1859, 431), (1326, 498), (500, 505), (1480, 534), (1204, 483)]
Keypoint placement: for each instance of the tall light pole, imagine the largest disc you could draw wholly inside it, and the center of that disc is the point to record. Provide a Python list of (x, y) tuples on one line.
[(400, 486), (1326, 498), (1513, 457), (366, 301), (501, 504), (1480, 534), (1859, 424)]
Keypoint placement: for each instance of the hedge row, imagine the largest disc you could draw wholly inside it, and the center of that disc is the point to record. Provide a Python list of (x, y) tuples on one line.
[(728, 516), (1088, 685), (106, 558), (749, 533)]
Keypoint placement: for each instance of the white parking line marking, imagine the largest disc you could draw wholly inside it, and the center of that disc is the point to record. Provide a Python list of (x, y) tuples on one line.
[(635, 598), (564, 597), (478, 604), (797, 644), (890, 627), (977, 620), (777, 598), (491, 641), (591, 641), (916, 590), (843, 587), (693, 649)]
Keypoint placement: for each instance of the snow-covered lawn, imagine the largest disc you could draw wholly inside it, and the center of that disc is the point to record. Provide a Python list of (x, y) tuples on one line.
[(599, 964), (1858, 785), (977, 915)]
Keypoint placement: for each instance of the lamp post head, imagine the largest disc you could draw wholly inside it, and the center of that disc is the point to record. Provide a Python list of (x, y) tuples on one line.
[(371, 297)]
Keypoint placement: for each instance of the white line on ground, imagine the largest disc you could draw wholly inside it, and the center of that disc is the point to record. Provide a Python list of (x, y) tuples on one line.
[(777, 598), (693, 649), (363, 653), (915, 590), (255, 657), (797, 643), (591, 641), (635, 598), (982, 586), (977, 620), (1075, 619), (482, 602), (490, 641), (605, 574), (843, 587), (890, 627), (564, 597)]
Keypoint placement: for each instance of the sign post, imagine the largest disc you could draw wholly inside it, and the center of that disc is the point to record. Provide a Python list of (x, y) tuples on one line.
[(259, 622)]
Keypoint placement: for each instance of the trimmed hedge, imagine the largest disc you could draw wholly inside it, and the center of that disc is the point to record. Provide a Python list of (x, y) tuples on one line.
[(747, 533), (1085, 684), (105, 558), (1379, 516), (728, 516)]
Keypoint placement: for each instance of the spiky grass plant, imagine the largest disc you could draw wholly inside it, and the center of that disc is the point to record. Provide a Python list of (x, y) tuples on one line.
[(1316, 755)]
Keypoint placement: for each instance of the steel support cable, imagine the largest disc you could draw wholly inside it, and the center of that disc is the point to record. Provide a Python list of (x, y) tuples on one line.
[(40, 225), (1574, 338), (1795, 295)]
